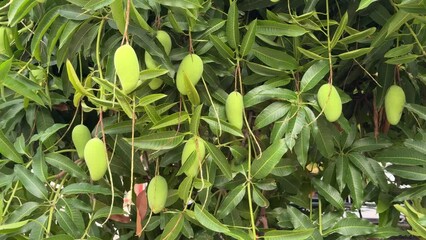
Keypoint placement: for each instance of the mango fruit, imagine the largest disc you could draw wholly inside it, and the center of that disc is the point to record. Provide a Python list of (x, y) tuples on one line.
[(193, 145), (234, 108), (394, 104), (157, 193), (190, 67), (95, 156), (165, 40), (126, 65), (80, 136), (330, 104)]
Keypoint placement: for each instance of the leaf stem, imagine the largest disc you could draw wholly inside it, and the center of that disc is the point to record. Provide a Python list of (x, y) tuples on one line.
[(252, 218)]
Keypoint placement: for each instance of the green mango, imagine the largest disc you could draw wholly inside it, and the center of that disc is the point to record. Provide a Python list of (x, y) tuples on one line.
[(394, 104), (331, 105), (80, 136), (157, 193), (96, 158)]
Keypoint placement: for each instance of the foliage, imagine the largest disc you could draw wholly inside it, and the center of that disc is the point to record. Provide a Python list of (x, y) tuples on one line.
[(57, 71)]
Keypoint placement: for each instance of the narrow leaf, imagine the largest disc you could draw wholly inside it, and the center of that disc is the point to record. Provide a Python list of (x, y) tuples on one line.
[(232, 31), (173, 228), (85, 188), (248, 39), (314, 75), (158, 141), (30, 182), (231, 201), (208, 220), (219, 159), (7, 149), (262, 166), (329, 193)]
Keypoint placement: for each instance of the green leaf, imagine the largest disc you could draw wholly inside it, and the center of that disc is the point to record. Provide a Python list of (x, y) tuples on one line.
[(195, 119), (259, 198), (302, 145), (208, 220), (397, 20), (273, 28), (369, 144), (151, 73), (408, 58), (192, 93), (359, 36), (184, 4), (339, 31), (364, 4), (39, 165), (399, 51), (417, 109), (173, 228), (184, 188), (117, 12), (158, 141), (354, 53), (12, 227), (310, 54), (23, 211), (106, 211), (265, 70), (411, 193), (7, 149), (353, 180), (43, 25), (67, 224), (299, 219), (288, 234), (171, 120), (231, 201), (262, 166), (276, 59), (323, 138), (223, 49), (232, 31), (225, 126), (85, 188), (62, 162), (329, 193), (151, 98), (363, 164), (73, 78), (248, 39), (18, 9), (24, 87), (401, 156), (419, 146), (314, 75), (219, 159), (265, 92), (30, 182), (43, 136), (352, 227), (416, 173), (271, 114)]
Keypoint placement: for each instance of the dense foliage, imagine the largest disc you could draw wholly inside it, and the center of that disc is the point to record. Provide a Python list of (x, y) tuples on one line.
[(287, 173)]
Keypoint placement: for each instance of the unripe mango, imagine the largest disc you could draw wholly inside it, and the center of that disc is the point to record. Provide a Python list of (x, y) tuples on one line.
[(165, 40), (234, 107), (394, 104), (96, 158), (80, 136), (195, 144), (191, 67), (331, 104), (157, 193), (155, 83), (127, 67)]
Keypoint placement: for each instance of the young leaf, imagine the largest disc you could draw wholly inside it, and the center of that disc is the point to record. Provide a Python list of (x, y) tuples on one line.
[(364, 4), (354, 53), (339, 31), (117, 13), (62, 162), (85, 188), (262, 166), (44, 24), (171, 120), (271, 113), (221, 47), (273, 28), (353, 180)]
